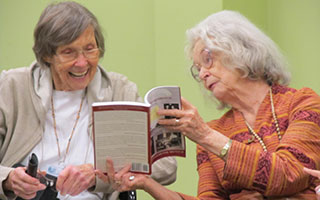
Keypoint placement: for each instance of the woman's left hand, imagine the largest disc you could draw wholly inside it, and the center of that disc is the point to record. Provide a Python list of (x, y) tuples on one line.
[(122, 180), (188, 121), (75, 179)]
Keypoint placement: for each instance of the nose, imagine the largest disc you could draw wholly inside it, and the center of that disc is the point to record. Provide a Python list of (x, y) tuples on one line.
[(203, 73), (81, 59)]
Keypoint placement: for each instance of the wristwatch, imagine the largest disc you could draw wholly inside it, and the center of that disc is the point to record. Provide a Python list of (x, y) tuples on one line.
[(225, 149)]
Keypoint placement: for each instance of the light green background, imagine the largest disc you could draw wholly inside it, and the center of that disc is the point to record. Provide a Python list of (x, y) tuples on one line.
[(145, 40)]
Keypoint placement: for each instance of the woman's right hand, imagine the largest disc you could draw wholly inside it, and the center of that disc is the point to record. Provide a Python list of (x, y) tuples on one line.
[(22, 184), (187, 120)]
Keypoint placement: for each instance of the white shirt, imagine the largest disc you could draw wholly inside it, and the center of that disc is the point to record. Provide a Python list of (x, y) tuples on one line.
[(66, 107)]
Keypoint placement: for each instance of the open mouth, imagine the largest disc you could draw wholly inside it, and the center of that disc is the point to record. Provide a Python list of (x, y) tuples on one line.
[(211, 85), (78, 74)]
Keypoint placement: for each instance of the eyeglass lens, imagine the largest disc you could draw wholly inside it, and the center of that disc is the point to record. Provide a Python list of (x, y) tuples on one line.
[(73, 54), (206, 62)]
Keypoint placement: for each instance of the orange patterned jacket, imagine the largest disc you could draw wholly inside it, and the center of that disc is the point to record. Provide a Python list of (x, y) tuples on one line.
[(251, 173)]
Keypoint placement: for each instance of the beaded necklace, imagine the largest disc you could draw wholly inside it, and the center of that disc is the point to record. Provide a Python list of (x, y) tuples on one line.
[(72, 132), (275, 121)]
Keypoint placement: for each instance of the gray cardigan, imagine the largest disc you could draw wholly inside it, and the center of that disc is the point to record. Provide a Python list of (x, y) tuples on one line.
[(24, 100)]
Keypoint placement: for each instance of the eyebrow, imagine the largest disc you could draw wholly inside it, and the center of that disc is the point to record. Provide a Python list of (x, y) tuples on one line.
[(72, 47)]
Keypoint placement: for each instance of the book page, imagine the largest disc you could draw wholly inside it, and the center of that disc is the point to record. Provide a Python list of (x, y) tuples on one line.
[(122, 135), (164, 142)]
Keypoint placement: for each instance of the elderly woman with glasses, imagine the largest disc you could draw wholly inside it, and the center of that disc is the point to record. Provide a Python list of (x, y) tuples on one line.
[(45, 109), (270, 132)]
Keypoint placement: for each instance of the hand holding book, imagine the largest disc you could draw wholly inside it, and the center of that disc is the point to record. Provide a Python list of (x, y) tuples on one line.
[(128, 132)]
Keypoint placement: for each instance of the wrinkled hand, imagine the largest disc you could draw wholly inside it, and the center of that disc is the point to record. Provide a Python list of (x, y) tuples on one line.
[(189, 121), (75, 179), (312, 172), (120, 180), (315, 173), (22, 184)]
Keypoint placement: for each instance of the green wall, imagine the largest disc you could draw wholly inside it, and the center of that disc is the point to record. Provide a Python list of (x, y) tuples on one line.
[(145, 40), (294, 26)]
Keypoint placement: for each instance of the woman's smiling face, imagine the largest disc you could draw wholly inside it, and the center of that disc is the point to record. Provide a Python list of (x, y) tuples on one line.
[(77, 73)]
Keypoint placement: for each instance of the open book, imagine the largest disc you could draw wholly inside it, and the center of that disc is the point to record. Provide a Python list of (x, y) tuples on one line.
[(128, 132)]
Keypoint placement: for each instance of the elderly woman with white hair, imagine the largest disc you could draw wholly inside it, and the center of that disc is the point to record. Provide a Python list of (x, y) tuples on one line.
[(259, 147)]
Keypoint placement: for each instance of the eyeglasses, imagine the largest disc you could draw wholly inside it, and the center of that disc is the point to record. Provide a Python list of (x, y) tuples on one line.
[(72, 54), (205, 61)]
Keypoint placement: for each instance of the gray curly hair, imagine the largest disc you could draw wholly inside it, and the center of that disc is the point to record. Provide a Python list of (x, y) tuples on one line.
[(242, 46)]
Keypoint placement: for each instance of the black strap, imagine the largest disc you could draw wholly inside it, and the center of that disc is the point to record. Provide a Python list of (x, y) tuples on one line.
[(128, 195)]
